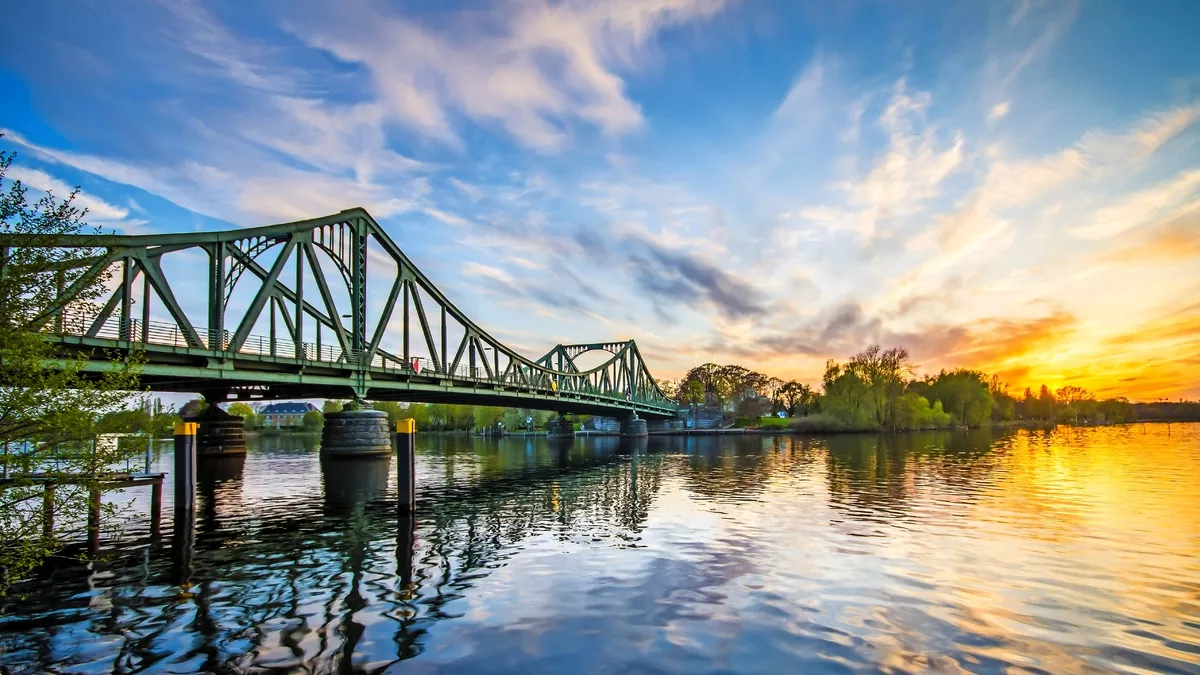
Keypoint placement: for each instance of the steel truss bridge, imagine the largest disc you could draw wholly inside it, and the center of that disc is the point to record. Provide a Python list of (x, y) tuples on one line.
[(289, 311)]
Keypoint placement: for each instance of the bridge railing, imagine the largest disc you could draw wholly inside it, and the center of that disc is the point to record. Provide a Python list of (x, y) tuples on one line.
[(168, 334)]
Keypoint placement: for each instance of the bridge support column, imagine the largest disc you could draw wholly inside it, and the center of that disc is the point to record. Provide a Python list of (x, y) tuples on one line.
[(560, 428), (220, 433), (355, 433), (633, 427), (406, 470)]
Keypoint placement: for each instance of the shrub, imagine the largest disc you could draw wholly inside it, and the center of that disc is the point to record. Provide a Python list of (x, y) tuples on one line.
[(823, 422)]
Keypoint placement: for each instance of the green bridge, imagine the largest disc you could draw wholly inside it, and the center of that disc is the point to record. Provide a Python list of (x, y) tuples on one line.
[(285, 314)]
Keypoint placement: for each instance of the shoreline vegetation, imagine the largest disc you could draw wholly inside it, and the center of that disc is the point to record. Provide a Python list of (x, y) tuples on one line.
[(878, 390), (766, 430)]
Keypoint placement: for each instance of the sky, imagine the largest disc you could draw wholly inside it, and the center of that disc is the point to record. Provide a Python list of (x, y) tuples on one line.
[(1008, 186)]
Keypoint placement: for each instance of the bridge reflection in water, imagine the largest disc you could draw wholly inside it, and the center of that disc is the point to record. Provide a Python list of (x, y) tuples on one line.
[(282, 579), (525, 555)]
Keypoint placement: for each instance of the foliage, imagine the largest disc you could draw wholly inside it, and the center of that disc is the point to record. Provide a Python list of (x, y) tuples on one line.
[(821, 422), (162, 420), (193, 409), (394, 410), (314, 420), (670, 388), (797, 399), (250, 420), (332, 406), (40, 406), (1073, 405), (240, 409), (963, 393), (691, 392), (1164, 410), (913, 411)]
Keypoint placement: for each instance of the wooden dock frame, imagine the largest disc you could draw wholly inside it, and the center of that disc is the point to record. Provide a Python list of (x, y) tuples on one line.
[(112, 481)]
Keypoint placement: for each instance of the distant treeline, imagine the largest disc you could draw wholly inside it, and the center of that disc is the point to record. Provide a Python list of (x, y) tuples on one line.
[(1182, 411), (877, 390)]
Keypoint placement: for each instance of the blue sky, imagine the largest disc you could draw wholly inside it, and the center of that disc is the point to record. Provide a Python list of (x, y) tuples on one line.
[(1008, 185)]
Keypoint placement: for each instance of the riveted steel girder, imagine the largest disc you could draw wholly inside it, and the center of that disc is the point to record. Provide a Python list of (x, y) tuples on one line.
[(475, 368)]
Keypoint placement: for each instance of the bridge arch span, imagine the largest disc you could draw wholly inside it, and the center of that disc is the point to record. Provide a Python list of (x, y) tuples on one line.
[(404, 339)]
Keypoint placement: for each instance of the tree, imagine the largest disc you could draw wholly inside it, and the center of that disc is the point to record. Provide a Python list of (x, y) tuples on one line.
[(162, 422), (40, 406), (844, 395), (884, 373), (394, 412), (193, 409), (1071, 394), (713, 380), (313, 420), (132, 421), (670, 388), (797, 398), (486, 417), (240, 409), (964, 394), (243, 410), (692, 392), (419, 412), (332, 406), (1045, 404)]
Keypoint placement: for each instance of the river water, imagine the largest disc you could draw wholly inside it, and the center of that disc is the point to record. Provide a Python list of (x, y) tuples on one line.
[(1073, 550)]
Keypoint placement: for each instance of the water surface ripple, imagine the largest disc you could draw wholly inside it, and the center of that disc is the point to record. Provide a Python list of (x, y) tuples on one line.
[(1073, 550)]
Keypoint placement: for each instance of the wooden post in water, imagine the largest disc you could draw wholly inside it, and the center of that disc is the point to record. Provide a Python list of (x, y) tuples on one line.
[(156, 506), (406, 479)]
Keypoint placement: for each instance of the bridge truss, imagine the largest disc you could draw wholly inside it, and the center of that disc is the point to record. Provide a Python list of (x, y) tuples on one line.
[(291, 311)]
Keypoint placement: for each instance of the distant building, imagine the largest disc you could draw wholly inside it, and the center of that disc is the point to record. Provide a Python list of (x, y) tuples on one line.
[(285, 414)]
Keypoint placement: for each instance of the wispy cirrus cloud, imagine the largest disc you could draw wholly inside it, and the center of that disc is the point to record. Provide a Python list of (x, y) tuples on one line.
[(532, 68), (705, 171)]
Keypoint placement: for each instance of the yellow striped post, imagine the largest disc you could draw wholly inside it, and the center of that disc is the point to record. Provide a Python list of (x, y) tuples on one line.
[(185, 465), (406, 476)]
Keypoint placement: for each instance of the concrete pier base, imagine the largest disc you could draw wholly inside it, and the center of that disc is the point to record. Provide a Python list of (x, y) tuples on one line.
[(220, 434), (633, 428), (560, 428), (356, 433)]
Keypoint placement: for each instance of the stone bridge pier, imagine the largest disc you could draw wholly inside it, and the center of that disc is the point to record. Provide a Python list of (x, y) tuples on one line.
[(634, 427), (560, 428), (220, 434), (356, 433)]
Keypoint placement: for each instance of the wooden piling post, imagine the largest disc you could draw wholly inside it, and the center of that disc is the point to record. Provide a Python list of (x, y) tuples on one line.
[(406, 478), (156, 491)]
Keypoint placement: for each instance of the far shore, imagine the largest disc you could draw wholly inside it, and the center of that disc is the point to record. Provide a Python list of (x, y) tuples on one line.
[(734, 431)]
